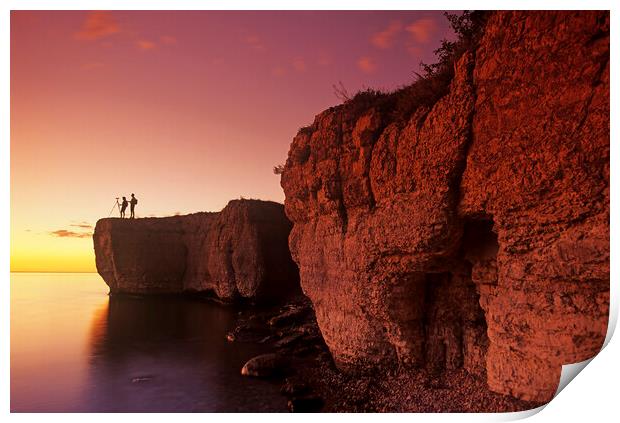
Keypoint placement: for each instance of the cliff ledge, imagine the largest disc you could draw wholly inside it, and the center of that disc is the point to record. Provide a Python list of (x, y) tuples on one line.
[(240, 252)]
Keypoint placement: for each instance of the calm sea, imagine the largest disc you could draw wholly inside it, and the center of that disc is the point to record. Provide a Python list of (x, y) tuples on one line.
[(75, 349)]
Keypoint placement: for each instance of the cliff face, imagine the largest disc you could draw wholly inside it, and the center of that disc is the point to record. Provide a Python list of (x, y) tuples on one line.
[(240, 252), (475, 232)]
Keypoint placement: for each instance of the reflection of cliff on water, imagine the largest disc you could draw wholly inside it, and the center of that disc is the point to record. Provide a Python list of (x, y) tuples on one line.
[(170, 354)]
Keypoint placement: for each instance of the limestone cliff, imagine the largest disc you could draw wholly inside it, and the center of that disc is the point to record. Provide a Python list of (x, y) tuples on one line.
[(474, 232), (240, 252)]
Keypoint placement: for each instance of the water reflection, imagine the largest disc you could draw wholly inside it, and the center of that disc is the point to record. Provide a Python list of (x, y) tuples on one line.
[(170, 354), (73, 348)]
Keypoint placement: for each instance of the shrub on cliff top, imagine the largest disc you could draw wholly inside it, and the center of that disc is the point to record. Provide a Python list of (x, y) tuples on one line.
[(434, 80), (468, 28), (278, 169)]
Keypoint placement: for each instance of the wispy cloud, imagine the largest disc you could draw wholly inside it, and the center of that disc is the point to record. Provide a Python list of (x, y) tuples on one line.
[(255, 42), (385, 39), (91, 66), (278, 71), (64, 233), (415, 51), (299, 64), (145, 45), (168, 40), (324, 59), (98, 24), (366, 64), (422, 29), (82, 225)]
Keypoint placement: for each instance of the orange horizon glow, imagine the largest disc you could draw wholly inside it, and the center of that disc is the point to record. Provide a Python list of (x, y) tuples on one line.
[(187, 109)]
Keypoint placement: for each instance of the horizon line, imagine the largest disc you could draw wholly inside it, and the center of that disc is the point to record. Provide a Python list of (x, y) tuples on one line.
[(47, 271)]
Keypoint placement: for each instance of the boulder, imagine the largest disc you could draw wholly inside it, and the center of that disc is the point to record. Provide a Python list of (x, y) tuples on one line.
[(265, 365)]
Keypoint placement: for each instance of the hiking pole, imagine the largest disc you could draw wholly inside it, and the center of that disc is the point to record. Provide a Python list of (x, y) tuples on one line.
[(115, 205)]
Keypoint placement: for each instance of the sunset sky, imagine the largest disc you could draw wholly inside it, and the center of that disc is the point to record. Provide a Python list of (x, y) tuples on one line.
[(186, 109)]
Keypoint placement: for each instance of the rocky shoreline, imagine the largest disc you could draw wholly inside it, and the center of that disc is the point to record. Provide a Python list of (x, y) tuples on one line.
[(453, 249), (300, 361)]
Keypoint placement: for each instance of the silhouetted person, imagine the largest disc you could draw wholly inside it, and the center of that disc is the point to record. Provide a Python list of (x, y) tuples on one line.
[(133, 203), (124, 207)]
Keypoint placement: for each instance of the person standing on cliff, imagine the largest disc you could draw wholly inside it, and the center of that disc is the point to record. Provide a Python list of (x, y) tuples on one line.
[(133, 203), (123, 207)]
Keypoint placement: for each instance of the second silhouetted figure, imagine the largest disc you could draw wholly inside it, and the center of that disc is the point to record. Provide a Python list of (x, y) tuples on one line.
[(124, 207), (133, 203)]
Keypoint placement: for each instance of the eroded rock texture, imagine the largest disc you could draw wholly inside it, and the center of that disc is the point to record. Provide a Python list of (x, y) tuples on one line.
[(475, 232), (240, 252)]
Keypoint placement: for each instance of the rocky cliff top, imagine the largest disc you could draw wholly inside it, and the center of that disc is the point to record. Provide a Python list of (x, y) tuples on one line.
[(240, 252)]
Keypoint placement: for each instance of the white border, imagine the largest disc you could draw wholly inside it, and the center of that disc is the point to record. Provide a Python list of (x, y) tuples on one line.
[(592, 397)]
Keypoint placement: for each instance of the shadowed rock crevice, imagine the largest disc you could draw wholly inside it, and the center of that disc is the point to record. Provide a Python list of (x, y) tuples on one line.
[(445, 326), (455, 326)]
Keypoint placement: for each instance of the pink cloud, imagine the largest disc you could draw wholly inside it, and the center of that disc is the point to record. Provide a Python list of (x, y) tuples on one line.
[(299, 64), (278, 71), (422, 29), (385, 39), (414, 50), (366, 64), (324, 59), (99, 24), (145, 45), (168, 40), (255, 42), (63, 233), (91, 66)]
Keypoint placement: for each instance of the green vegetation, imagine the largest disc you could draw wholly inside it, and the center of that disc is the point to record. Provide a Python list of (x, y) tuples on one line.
[(434, 80), (428, 87)]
